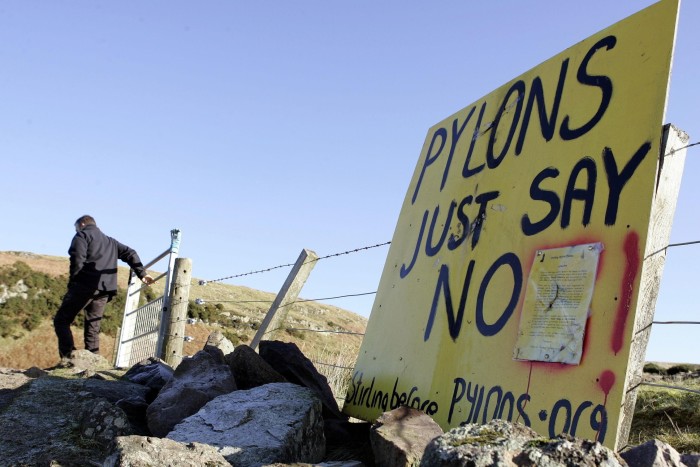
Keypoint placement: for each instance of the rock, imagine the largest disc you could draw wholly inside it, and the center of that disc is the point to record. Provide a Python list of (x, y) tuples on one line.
[(690, 460), (348, 463), (290, 362), (10, 382), (566, 450), (653, 453), (501, 443), (250, 370), (49, 419), (35, 372), (102, 422), (348, 440), (278, 422), (135, 409), (129, 397), (400, 437), (82, 360), (141, 451), (196, 381), (216, 353), (153, 373), (218, 340), (114, 391)]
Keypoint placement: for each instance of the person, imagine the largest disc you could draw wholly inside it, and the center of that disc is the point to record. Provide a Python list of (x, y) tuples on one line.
[(92, 283)]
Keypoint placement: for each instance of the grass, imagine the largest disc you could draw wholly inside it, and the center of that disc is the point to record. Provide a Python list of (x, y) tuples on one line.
[(669, 415), (336, 366)]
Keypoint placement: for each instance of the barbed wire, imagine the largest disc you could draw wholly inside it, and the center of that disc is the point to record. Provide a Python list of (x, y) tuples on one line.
[(329, 298), (675, 322), (356, 250), (668, 386), (333, 366), (673, 151), (324, 330), (200, 301), (671, 245), (260, 271)]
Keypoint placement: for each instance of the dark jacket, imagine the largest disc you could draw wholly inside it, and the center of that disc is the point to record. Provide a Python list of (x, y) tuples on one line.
[(93, 260)]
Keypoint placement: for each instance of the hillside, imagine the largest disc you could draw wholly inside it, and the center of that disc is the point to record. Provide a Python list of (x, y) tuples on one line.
[(236, 311)]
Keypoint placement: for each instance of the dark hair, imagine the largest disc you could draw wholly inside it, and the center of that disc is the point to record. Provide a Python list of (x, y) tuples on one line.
[(87, 220)]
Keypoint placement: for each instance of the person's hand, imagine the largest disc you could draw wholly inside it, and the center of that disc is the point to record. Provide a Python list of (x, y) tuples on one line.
[(147, 279)]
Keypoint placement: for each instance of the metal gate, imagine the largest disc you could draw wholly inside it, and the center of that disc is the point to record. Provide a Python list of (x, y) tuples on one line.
[(144, 328)]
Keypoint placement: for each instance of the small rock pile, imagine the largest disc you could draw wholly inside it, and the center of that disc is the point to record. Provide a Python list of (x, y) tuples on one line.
[(238, 407)]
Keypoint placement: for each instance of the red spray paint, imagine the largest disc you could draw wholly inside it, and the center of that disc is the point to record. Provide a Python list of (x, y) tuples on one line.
[(632, 263)]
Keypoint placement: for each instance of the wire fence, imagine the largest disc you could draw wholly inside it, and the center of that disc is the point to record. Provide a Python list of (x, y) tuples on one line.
[(347, 368), (334, 366), (280, 266)]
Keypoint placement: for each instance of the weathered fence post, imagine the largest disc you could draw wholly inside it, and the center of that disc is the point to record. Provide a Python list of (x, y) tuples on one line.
[(180, 293), (669, 169), (287, 294)]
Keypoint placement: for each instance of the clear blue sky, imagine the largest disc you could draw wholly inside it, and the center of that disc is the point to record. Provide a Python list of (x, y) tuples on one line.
[(260, 128)]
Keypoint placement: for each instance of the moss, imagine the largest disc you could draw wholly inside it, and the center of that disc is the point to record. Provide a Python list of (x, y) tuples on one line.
[(486, 436), (538, 443)]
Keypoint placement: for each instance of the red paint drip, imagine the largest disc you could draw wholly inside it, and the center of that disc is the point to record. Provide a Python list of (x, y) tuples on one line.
[(606, 381), (632, 263), (527, 391)]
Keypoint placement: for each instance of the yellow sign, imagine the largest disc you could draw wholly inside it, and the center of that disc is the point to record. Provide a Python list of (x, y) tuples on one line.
[(562, 160)]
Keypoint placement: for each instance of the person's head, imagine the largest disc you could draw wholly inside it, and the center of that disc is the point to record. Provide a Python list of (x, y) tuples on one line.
[(83, 221)]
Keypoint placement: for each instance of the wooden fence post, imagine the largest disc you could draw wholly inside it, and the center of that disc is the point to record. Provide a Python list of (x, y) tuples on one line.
[(179, 298), (668, 182), (287, 294)]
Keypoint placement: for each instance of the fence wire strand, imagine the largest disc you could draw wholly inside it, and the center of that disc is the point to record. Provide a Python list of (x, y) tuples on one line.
[(668, 386), (289, 303), (356, 250), (673, 151), (671, 245), (675, 322)]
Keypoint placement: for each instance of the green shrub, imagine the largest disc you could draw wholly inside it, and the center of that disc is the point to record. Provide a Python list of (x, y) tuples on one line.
[(654, 369), (675, 369), (232, 336), (295, 333), (7, 326), (207, 312), (44, 296), (32, 321)]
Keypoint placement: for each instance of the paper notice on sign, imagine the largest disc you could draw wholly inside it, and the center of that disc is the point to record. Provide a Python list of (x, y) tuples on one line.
[(557, 300)]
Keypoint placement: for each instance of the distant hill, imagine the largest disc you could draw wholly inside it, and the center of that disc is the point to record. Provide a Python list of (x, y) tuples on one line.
[(235, 310)]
